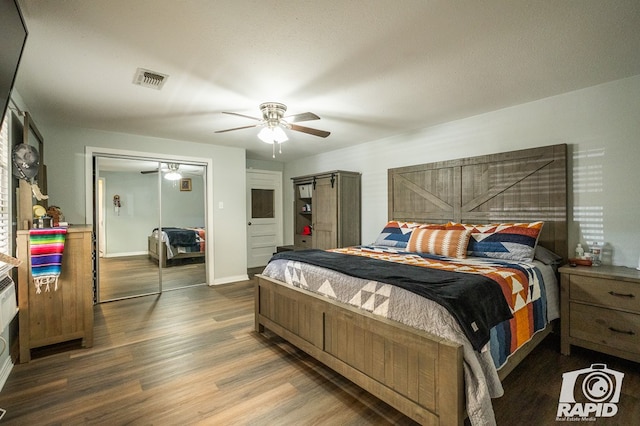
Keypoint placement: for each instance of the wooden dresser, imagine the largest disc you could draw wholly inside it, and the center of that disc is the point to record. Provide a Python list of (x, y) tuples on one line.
[(600, 310), (57, 316)]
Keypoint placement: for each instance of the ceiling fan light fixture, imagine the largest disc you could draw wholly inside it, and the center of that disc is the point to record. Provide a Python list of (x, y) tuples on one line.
[(173, 176), (272, 135), (173, 173), (279, 135)]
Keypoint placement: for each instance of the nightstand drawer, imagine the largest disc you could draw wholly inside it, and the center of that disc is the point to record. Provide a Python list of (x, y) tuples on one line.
[(616, 294), (619, 330)]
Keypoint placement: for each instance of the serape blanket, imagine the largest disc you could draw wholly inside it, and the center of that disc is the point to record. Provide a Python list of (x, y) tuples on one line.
[(46, 249)]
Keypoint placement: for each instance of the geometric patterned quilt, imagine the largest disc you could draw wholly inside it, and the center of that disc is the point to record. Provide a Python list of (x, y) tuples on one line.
[(521, 283)]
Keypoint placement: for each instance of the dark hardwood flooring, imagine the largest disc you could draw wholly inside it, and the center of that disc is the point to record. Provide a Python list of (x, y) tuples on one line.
[(191, 356), (130, 276)]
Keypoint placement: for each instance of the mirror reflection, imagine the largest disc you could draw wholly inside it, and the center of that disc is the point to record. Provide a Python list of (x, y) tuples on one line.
[(150, 227)]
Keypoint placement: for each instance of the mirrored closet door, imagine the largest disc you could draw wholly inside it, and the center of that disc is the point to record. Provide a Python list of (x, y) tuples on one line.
[(150, 226)]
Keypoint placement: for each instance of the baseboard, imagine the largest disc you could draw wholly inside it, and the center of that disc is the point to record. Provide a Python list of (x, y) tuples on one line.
[(227, 280), (133, 253), (6, 370)]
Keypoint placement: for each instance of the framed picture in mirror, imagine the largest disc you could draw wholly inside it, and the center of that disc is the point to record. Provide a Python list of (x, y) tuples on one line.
[(185, 184)]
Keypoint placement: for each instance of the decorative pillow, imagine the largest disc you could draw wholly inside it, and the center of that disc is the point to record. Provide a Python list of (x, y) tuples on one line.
[(397, 234), (509, 241), (547, 257), (451, 243)]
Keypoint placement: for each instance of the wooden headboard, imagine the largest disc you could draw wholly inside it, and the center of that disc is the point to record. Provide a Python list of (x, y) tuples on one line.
[(518, 186)]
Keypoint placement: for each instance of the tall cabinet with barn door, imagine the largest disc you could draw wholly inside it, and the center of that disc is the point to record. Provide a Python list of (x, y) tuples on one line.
[(327, 210)]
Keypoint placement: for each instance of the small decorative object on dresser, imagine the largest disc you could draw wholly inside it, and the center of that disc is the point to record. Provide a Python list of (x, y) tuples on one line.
[(600, 310)]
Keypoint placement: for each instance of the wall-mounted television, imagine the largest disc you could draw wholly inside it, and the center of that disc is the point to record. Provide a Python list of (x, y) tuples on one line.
[(13, 36)]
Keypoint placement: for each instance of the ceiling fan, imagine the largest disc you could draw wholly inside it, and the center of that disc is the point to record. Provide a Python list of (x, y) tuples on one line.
[(171, 172), (274, 121)]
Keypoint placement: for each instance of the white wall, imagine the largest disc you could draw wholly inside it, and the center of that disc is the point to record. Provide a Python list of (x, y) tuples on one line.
[(65, 160), (126, 230), (275, 166), (600, 124)]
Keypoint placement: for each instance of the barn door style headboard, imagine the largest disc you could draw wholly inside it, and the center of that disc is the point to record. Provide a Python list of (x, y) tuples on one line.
[(518, 186)]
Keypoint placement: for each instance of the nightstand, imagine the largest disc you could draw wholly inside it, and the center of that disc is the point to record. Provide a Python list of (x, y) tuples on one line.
[(600, 310)]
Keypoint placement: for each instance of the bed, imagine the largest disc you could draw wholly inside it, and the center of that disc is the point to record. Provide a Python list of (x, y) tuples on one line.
[(432, 376), (175, 244)]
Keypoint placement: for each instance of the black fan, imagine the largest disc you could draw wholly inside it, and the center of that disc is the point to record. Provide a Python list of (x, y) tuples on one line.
[(273, 117)]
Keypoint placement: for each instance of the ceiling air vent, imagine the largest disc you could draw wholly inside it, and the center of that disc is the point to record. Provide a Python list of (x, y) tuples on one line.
[(148, 78)]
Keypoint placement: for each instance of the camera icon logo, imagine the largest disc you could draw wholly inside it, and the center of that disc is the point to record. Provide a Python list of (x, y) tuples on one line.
[(592, 391)]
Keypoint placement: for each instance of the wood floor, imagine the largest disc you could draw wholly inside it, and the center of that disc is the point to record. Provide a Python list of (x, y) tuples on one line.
[(191, 356), (134, 275)]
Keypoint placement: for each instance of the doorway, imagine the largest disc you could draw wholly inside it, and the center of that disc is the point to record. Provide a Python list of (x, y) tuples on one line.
[(151, 222), (264, 216)]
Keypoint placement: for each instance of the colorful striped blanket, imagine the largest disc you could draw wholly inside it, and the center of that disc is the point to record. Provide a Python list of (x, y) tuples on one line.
[(46, 248)]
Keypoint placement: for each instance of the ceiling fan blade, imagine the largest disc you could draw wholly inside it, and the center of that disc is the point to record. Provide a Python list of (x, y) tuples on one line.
[(305, 116), (236, 128), (242, 115), (309, 130), (144, 172)]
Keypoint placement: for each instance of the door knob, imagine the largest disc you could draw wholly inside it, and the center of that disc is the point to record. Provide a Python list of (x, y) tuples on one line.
[(249, 223)]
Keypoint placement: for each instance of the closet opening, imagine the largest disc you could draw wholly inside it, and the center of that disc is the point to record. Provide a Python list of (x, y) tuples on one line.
[(150, 223)]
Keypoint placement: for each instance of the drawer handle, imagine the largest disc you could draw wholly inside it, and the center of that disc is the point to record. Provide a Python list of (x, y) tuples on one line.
[(615, 330), (613, 293)]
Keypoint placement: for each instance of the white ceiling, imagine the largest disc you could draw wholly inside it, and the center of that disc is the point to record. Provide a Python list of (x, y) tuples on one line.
[(370, 68)]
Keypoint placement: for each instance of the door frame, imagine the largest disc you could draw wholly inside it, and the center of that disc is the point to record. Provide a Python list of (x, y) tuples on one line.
[(276, 178), (91, 152)]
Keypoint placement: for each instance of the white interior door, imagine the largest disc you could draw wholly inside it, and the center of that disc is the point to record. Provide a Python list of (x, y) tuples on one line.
[(264, 215)]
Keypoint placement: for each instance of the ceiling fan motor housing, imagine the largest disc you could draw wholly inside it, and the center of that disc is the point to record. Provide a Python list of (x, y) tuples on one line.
[(272, 113)]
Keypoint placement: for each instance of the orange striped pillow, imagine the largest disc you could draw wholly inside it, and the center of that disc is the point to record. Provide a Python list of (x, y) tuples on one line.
[(450, 243)]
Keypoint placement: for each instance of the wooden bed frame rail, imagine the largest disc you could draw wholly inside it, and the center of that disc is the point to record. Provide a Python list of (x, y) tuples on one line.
[(154, 253), (415, 372)]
